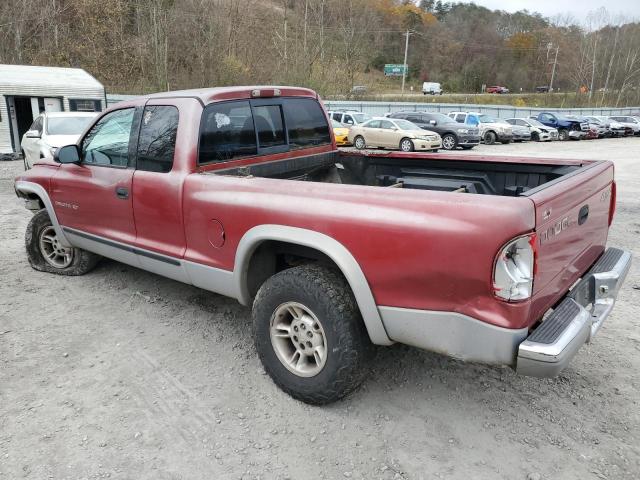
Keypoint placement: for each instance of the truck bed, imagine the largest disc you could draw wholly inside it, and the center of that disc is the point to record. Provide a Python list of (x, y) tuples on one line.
[(460, 174)]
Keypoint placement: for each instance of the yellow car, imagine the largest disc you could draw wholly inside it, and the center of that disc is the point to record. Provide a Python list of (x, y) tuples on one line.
[(341, 133)]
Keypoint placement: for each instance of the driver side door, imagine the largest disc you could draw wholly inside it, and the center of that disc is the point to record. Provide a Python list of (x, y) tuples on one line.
[(94, 197)]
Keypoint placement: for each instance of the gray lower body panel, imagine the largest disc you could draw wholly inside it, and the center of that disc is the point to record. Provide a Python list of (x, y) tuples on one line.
[(453, 334)]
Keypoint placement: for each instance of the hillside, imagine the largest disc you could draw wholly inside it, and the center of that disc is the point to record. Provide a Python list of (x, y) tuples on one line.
[(330, 45)]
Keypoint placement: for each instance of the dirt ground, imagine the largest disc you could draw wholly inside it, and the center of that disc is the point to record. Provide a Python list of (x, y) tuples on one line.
[(122, 374)]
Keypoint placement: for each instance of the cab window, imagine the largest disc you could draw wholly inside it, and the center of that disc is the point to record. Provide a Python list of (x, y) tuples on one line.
[(306, 123), (269, 125), (157, 141), (472, 120), (348, 119), (107, 143)]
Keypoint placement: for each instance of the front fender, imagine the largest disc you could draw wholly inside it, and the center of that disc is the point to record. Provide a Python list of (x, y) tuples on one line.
[(33, 188)]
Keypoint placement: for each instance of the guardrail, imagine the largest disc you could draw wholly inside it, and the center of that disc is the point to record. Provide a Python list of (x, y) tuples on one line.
[(499, 111)]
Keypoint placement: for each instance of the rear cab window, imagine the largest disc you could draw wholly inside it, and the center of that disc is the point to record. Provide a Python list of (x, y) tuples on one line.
[(244, 128)]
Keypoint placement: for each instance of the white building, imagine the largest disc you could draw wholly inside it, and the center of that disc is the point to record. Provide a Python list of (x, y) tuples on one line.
[(26, 91)]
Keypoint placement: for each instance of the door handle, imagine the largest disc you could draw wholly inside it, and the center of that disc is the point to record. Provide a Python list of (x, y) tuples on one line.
[(122, 192)]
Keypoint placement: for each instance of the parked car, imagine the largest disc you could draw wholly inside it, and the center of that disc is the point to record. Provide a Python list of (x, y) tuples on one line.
[(331, 259), (542, 89), (394, 133), (349, 117), (241, 191), (452, 133), (51, 130), (538, 131), (521, 133), (340, 133), (616, 129), (568, 127), (497, 89), (432, 88), (603, 128), (628, 121), (491, 130)]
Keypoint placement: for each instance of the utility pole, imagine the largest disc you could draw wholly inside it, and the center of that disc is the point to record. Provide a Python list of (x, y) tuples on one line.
[(404, 65), (553, 71)]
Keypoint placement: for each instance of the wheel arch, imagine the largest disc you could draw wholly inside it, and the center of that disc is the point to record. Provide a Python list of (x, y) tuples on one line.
[(326, 247), (35, 191)]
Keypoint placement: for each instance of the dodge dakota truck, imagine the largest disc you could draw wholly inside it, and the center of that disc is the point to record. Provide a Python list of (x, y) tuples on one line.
[(241, 191)]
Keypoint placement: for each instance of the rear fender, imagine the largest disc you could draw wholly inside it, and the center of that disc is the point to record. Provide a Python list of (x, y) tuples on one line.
[(325, 244)]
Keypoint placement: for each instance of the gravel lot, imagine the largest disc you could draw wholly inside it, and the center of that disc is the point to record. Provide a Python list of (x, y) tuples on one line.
[(123, 374)]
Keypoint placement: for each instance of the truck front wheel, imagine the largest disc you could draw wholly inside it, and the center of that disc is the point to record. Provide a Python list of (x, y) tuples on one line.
[(46, 254), (309, 334)]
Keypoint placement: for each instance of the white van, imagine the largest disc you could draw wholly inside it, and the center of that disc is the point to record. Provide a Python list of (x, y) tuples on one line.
[(431, 87)]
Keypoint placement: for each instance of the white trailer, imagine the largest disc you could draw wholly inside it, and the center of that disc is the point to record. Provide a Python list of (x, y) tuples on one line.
[(26, 91)]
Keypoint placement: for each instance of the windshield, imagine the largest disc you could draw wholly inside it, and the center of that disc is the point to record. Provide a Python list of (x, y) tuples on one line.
[(67, 125), (486, 119), (406, 125), (361, 117), (535, 123)]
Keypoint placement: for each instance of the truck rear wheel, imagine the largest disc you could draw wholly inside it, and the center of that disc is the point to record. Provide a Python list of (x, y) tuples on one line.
[(309, 334), (46, 254)]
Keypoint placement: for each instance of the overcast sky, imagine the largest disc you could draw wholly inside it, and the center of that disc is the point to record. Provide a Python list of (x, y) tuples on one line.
[(628, 9)]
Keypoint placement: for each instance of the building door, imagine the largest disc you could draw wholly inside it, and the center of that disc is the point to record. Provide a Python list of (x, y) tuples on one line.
[(24, 118)]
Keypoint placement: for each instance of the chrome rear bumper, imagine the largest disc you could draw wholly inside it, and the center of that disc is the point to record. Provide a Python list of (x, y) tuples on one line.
[(576, 320)]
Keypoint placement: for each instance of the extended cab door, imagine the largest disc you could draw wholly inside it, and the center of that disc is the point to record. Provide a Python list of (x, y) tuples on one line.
[(161, 166), (94, 197)]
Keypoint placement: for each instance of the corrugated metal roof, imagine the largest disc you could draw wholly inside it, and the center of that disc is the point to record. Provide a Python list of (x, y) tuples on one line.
[(27, 75)]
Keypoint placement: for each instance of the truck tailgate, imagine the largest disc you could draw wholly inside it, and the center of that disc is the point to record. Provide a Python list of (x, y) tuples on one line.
[(572, 223)]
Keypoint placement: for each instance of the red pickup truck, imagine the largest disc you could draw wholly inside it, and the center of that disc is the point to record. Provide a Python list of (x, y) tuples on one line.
[(241, 191)]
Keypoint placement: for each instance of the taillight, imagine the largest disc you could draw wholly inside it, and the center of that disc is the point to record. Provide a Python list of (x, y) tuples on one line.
[(514, 269), (612, 204)]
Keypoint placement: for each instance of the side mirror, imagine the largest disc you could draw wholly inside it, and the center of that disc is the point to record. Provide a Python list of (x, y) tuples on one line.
[(32, 134), (67, 154), (433, 122)]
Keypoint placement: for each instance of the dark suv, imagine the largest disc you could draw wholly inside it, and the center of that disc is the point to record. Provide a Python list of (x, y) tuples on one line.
[(453, 133)]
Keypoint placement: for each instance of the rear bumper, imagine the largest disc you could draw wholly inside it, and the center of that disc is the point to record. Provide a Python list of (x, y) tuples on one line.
[(545, 351), (576, 320)]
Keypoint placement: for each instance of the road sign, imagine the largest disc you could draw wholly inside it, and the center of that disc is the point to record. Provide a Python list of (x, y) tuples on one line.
[(395, 70)]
